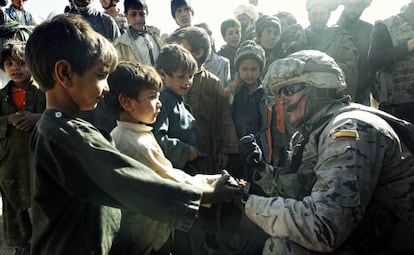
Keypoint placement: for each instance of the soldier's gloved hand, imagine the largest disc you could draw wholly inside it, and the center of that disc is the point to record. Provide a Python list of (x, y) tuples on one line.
[(251, 152)]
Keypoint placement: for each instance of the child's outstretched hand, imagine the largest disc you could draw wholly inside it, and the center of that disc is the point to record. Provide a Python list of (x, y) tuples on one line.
[(23, 120), (231, 87), (222, 191)]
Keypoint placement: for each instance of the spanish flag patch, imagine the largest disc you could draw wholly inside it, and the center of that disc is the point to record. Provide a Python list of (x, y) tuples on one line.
[(345, 134)]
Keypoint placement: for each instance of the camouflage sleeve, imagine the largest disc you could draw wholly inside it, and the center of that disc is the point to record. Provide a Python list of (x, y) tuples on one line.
[(347, 168), (266, 180)]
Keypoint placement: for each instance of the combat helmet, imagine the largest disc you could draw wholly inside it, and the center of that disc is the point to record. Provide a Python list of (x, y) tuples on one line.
[(323, 80), (311, 67)]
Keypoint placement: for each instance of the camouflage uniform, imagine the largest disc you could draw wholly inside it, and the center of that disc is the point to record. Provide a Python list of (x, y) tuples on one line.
[(336, 194), (360, 31), (337, 43), (394, 63)]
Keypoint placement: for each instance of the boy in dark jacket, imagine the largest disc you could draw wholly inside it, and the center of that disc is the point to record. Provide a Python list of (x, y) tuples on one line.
[(21, 103), (79, 179)]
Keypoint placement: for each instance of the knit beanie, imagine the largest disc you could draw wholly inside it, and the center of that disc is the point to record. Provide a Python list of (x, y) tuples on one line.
[(250, 50), (267, 21)]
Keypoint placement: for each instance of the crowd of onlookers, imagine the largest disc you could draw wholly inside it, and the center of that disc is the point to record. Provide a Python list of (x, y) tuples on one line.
[(209, 99)]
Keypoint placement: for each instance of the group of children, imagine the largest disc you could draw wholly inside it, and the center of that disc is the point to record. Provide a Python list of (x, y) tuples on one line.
[(174, 125), (99, 174)]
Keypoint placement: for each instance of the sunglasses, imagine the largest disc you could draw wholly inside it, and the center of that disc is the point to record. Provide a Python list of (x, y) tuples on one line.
[(292, 89)]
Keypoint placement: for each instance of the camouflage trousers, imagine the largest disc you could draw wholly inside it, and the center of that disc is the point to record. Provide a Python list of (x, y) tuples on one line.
[(276, 246)]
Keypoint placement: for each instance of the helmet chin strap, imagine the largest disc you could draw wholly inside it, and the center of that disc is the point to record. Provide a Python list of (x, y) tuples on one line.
[(293, 107)]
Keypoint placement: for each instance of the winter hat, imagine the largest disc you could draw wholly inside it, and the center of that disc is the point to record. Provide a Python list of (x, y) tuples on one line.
[(250, 50), (331, 5), (248, 9), (267, 21)]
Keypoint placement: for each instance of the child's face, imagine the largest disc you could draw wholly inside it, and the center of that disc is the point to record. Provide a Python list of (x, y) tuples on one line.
[(183, 16), (136, 18), (318, 17), (18, 4), (17, 71), (87, 89), (249, 71), (232, 36), (106, 3), (196, 54), (269, 38), (244, 20), (180, 82), (145, 108)]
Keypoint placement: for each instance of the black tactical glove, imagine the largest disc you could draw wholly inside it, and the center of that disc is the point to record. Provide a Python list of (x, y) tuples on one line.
[(251, 152)]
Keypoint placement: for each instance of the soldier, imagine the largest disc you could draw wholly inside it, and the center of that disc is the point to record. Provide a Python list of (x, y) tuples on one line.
[(333, 40), (360, 31), (392, 55), (347, 186)]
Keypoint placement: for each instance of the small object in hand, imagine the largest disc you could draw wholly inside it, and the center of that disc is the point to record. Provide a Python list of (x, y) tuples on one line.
[(242, 183), (249, 149), (233, 181)]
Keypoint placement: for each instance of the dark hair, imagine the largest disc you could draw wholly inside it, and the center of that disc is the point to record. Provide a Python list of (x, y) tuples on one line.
[(13, 49), (227, 24), (197, 38), (129, 79), (3, 2), (175, 4), (73, 40), (12, 30), (205, 26), (135, 4), (174, 58)]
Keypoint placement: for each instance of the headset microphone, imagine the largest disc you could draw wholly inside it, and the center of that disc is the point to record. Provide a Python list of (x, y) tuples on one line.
[(292, 107)]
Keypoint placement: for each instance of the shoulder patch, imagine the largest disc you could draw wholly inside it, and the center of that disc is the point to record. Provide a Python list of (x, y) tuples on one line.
[(345, 134)]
